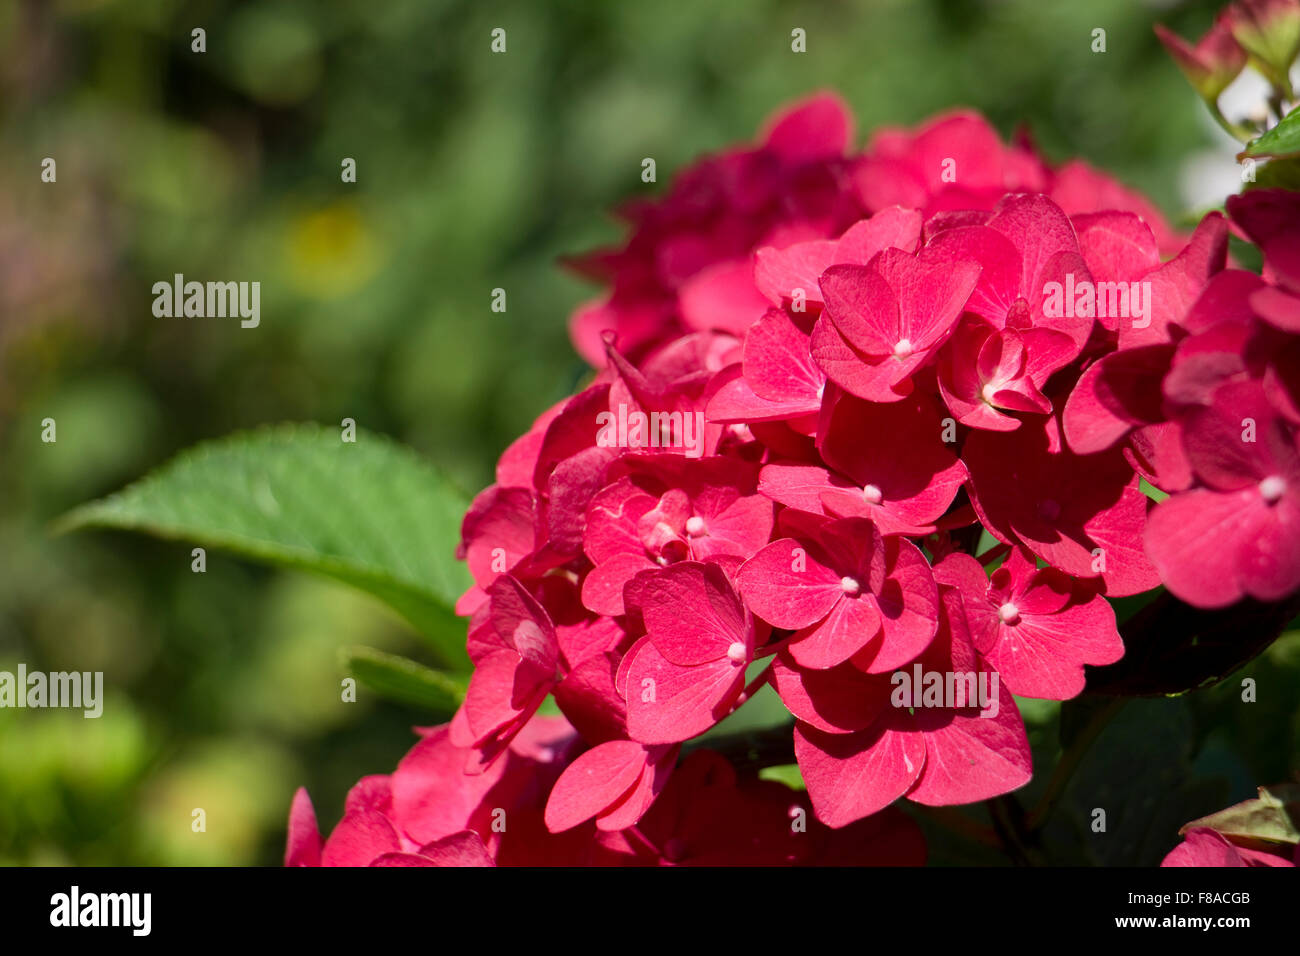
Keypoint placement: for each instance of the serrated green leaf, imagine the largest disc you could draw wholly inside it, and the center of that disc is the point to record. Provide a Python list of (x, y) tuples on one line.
[(1282, 140), (371, 514), (404, 680)]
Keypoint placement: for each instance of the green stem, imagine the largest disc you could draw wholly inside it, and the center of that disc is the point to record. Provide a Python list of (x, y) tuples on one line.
[(1238, 132), (1069, 763), (993, 553)]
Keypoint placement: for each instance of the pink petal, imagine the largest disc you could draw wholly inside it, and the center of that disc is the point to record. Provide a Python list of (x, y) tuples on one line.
[(602, 588), (458, 849), (1043, 655), (724, 297), (851, 624), (359, 837), (778, 364), (909, 609), (851, 776), (838, 700), (303, 845), (678, 702), (969, 758), (692, 615), (787, 587), (594, 782), (1204, 847), (818, 127), (1115, 395), (1201, 543)]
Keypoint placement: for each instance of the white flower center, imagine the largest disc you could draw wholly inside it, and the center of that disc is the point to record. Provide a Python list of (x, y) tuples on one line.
[(1009, 613), (872, 494), (1272, 488), (695, 525), (903, 348), (850, 585), (736, 652)]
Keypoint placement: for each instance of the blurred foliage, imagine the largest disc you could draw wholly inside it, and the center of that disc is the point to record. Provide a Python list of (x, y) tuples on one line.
[(475, 171)]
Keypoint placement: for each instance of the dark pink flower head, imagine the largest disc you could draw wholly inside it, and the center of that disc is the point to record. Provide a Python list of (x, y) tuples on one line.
[(885, 320), (846, 592), (942, 731), (687, 262), (1212, 63), (1271, 218), (1036, 626), (1083, 514), (663, 510), (688, 672), (1030, 269), (955, 161), (516, 657), (1239, 532)]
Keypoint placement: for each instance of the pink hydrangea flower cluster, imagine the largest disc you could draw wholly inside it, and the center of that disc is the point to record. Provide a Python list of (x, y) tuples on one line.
[(821, 375)]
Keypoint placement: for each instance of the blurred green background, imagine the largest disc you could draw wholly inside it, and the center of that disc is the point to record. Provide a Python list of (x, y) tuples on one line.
[(475, 171)]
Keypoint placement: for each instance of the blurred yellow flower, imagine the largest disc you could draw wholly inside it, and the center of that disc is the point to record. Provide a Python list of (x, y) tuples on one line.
[(332, 251)]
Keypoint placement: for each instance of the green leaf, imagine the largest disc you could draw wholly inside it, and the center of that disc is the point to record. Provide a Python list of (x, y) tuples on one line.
[(786, 773), (1283, 173), (371, 514), (1171, 647), (1273, 817), (1139, 772), (404, 680), (1282, 140)]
